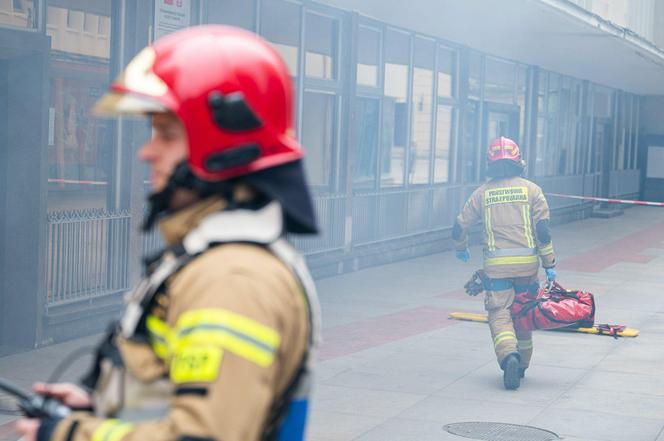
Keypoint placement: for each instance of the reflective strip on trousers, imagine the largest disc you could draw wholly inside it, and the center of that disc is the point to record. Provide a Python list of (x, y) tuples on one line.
[(524, 344), (503, 336)]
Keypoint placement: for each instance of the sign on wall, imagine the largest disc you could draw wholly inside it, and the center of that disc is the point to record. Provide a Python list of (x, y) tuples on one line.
[(170, 16), (655, 168)]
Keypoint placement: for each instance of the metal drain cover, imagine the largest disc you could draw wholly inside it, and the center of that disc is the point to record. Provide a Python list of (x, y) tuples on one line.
[(499, 431)]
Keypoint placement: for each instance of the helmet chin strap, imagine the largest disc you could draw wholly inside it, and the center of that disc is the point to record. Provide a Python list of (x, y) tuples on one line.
[(159, 201), (182, 177)]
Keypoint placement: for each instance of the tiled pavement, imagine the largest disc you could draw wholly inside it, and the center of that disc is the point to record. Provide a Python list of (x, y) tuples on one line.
[(394, 368)]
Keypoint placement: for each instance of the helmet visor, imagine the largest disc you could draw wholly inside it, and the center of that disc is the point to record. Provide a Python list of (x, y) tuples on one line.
[(136, 91)]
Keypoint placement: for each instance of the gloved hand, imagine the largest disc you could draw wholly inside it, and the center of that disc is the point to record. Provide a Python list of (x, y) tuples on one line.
[(463, 255), (550, 274)]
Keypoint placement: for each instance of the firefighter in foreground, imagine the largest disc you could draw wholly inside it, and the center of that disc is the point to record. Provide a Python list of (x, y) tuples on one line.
[(515, 215), (217, 342)]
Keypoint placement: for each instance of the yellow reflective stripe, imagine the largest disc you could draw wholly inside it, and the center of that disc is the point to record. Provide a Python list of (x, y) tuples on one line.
[(491, 240), (528, 229), (112, 430), (225, 318), (525, 344), (503, 336), (504, 333), (160, 336), (233, 332), (543, 251), (511, 260), (230, 343)]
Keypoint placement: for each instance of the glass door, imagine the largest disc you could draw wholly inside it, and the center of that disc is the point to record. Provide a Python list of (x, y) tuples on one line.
[(499, 120)]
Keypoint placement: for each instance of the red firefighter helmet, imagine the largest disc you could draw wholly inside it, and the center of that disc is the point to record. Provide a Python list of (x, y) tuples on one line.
[(503, 148), (230, 89), (234, 96)]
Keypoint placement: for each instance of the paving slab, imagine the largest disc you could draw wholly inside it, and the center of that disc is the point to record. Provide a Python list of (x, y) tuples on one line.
[(590, 425), (370, 402), (446, 410), (541, 387), (402, 429), (334, 426), (608, 401)]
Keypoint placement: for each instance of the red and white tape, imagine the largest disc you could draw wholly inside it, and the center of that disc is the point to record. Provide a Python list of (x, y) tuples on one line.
[(617, 201), (74, 181)]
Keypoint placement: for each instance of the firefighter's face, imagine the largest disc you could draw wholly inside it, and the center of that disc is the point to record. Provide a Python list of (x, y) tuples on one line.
[(165, 150)]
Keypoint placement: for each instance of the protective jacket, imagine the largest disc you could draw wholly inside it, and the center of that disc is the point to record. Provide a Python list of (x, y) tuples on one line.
[(217, 343), (515, 215)]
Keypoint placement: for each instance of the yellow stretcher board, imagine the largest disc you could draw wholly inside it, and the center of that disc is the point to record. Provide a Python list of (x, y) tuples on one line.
[(477, 317)]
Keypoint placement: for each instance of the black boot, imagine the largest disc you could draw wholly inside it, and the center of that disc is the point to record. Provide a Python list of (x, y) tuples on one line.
[(512, 372)]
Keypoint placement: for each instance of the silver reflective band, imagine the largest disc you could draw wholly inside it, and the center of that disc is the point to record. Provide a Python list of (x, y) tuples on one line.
[(510, 252)]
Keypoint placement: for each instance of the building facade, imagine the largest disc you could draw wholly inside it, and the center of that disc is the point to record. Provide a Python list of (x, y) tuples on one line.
[(394, 114)]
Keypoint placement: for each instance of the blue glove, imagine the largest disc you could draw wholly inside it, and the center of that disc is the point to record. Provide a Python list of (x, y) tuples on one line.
[(463, 255), (550, 274)]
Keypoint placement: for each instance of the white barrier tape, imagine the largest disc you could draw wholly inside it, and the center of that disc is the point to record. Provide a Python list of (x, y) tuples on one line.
[(617, 201)]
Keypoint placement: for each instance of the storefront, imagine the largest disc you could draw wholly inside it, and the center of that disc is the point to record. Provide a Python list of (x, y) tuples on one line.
[(393, 113)]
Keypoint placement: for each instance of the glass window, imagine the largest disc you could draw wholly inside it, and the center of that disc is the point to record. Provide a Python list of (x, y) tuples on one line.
[(368, 57), (365, 153), (499, 81), (541, 91), (80, 147), (444, 133), (420, 138), (635, 133), (240, 13), (280, 25), (626, 162), (74, 20), (577, 95), (66, 29), (521, 93), (90, 23), (104, 27), (447, 72), (564, 132), (319, 136), (552, 102), (321, 46), (395, 108), (470, 154), (624, 144), (541, 159), (601, 102), (21, 14), (475, 75)]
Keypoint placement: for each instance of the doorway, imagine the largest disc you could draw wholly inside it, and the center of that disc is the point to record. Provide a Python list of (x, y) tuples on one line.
[(499, 120)]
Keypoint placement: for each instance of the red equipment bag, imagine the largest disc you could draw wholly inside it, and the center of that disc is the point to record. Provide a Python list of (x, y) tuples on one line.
[(553, 307)]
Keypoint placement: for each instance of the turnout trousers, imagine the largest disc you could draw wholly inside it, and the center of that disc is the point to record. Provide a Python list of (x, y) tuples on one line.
[(498, 298)]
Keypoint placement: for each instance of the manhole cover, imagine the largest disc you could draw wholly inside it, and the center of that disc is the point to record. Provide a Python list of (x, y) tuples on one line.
[(499, 432)]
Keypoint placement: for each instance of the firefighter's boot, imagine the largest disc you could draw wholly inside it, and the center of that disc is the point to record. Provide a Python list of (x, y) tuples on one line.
[(511, 371)]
